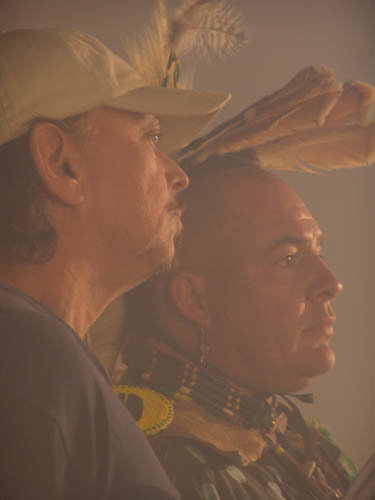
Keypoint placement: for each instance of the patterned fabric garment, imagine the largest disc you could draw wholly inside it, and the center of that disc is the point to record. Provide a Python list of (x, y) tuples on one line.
[(208, 469), (220, 442)]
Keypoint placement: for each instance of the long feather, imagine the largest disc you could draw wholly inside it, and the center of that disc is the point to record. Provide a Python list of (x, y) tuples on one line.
[(313, 122), (209, 27), (149, 54)]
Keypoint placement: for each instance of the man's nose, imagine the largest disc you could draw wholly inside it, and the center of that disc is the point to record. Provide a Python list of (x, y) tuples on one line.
[(176, 178), (325, 285)]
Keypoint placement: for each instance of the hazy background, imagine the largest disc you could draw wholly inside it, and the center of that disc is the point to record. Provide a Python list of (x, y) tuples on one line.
[(286, 35)]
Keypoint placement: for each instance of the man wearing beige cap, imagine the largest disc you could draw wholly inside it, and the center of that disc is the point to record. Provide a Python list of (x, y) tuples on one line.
[(88, 210)]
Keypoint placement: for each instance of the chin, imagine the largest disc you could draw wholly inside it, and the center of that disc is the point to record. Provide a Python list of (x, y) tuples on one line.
[(161, 259), (304, 373), (161, 248), (326, 360), (319, 365)]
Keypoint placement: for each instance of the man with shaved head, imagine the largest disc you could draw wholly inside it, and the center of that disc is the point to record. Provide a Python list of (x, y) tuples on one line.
[(243, 320)]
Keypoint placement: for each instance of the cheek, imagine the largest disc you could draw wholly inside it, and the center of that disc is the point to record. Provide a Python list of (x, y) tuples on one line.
[(283, 316), (270, 316), (149, 183), (257, 306), (145, 186)]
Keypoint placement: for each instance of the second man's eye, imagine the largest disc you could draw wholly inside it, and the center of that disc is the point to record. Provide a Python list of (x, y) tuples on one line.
[(155, 138), (289, 259)]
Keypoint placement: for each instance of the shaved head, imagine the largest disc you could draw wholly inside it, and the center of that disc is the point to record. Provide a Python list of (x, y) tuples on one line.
[(211, 217)]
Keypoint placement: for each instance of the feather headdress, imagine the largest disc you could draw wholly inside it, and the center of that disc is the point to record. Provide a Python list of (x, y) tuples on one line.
[(209, 27), (312, 123)]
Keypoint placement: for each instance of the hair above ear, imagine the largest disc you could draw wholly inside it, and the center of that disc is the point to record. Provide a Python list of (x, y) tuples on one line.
[(52, 153), (188, 292)]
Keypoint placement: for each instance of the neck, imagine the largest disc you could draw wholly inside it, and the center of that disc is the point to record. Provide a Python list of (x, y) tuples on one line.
[(69, 288), (176, 351)]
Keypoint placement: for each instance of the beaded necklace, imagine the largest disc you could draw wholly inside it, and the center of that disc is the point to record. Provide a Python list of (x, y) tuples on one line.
[(180, 378)]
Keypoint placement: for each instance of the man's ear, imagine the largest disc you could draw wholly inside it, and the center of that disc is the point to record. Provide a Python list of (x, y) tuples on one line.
[(189, 294), (54, 156)]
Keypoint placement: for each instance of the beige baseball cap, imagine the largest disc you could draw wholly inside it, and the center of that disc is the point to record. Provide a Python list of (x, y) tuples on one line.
[(56, 74)]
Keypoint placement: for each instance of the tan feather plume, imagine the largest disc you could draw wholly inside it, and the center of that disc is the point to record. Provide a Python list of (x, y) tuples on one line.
[(149, 55), (209, 27), (311, 123)]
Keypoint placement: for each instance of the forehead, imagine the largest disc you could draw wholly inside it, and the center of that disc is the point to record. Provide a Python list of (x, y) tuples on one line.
[(115, 117), (264, 212)]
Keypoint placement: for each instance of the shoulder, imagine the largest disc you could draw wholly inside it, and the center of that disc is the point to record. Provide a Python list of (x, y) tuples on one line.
[(42, 360), (21, 315)]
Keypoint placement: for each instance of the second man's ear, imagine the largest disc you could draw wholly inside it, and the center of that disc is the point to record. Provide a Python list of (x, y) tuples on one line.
[(189, 294), (56, 159)]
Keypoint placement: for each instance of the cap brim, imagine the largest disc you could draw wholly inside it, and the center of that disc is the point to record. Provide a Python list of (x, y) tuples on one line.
[(182, 113)]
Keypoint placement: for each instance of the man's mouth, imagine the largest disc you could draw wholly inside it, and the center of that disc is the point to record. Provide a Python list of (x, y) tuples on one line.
[(322, 328), (177, 206)]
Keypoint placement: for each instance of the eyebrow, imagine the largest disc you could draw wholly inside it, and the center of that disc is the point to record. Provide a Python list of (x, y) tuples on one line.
[(296, 241), (149, 120)]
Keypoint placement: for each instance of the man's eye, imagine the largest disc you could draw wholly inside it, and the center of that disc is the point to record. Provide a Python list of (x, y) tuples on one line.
[(289, 259), (155, 138)]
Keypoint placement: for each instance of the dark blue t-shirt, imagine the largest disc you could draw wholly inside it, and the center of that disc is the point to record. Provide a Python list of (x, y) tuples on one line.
[(64, 433)]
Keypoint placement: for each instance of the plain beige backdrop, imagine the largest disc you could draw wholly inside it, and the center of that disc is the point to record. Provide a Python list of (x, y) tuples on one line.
[(286, 35)]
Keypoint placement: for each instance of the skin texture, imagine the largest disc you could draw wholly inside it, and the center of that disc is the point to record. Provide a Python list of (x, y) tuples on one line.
[(131, 190), (256, 282), (112, 199)]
